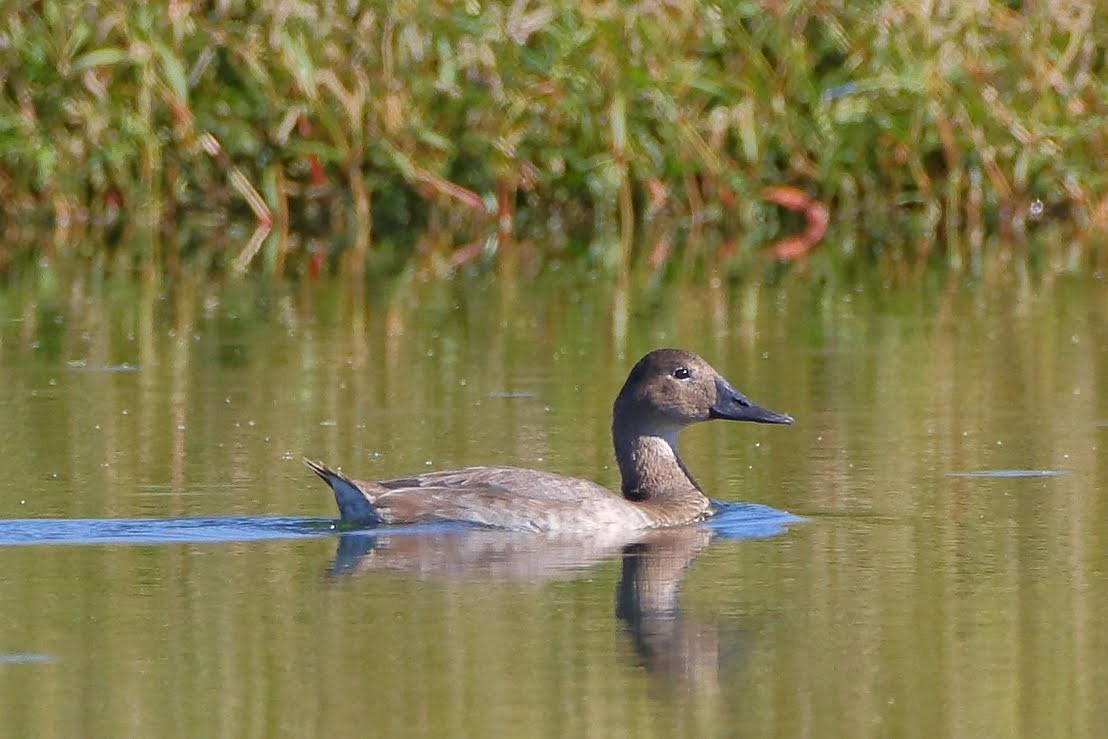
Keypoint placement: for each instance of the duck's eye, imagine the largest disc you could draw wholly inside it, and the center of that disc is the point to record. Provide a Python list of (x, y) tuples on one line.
[(682, 373)]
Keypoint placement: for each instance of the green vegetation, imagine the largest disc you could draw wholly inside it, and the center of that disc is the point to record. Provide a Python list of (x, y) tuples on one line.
[(380, 135)]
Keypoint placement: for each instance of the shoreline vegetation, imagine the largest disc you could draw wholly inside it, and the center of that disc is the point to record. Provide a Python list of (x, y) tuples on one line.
[(294, 138)]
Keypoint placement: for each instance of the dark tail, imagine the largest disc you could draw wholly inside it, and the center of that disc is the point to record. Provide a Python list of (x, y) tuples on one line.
[(354, 506)]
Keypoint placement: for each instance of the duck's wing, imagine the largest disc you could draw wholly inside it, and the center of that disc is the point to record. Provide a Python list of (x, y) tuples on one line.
[(513, 480), (501, 497), (481, 504)]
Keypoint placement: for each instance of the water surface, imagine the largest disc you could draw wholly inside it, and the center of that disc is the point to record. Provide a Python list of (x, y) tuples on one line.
[(168, 566)]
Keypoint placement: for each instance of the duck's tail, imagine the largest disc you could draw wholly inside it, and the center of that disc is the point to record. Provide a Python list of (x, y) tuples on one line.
[(354, 506)]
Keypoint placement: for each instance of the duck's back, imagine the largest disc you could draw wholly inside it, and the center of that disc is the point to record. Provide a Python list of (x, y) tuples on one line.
[(503, 497)]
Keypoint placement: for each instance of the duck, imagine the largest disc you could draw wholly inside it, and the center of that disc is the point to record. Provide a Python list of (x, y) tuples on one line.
[(666, 391)]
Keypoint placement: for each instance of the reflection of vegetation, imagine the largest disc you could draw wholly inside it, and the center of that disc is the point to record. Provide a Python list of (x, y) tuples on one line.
[(571, 122), (972, 602)]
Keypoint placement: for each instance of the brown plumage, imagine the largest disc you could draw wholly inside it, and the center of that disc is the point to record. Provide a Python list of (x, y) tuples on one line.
[(667, 390)]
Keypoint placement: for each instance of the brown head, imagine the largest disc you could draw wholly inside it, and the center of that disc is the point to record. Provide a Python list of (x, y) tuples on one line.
[(668, 389)]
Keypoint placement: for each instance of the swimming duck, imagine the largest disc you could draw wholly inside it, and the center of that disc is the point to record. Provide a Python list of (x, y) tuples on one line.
[(667, 390)]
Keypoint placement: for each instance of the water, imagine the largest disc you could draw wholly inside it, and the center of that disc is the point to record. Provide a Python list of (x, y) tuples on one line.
[(169, 567)]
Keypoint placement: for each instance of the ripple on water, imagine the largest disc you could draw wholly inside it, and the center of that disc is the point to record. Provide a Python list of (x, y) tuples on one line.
[(749, 520), (1008, 473), (732, 521), (196, 529), (24, 658), (82, 366)]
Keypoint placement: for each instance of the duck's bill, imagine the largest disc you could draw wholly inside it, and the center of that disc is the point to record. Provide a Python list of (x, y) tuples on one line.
[(731, 405)]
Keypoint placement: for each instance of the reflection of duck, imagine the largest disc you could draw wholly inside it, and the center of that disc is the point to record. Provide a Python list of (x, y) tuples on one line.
[(468, 553), (667, 390), (647, 601), (647, 596)]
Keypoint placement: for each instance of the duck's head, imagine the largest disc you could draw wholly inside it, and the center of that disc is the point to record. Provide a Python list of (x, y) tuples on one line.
[(669, 389)]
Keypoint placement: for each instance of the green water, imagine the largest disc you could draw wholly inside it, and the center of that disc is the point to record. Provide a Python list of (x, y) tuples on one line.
[(948, 456)]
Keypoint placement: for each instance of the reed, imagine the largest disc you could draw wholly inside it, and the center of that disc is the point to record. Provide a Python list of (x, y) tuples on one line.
[(289, 136)]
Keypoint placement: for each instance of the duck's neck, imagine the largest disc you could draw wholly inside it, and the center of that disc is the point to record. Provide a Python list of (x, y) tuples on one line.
[(650, 466)]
